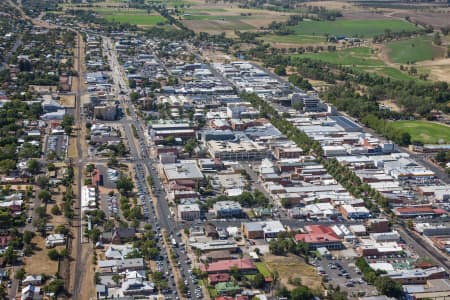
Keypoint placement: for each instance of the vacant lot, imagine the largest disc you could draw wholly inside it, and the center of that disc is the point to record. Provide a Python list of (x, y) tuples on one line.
[(426, 132), (413, 50), (292, 266), (39, 262)]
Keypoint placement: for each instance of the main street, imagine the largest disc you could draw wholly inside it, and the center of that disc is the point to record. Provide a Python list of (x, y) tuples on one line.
[(139, 151)]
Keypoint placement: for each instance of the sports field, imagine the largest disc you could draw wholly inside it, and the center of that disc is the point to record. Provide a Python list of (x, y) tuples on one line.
[(413, 50), (426, 132)]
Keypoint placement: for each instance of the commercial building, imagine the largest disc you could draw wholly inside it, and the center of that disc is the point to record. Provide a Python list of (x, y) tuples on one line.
[(354, 212), (227, 209), (320, 236), (188, 212), (183, 170), (432, 289), (262, 230), (417, 276), (242, 150), (416, 211), (245, 266), (106, 112)]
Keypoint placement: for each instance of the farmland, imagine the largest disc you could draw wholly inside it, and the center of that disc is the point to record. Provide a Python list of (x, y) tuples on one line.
[(412, 50), (425, 132), (141, 19)]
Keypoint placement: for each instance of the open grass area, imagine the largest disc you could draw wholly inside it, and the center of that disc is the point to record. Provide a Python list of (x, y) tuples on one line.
[(412, 50), (425, 132), (263, 269), (292, 266), (361, 59), (293, 39), (351, 28)]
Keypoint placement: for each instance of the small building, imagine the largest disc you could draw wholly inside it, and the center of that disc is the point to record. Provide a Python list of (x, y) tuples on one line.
[(262, 230), (54, 240), (245, 266)]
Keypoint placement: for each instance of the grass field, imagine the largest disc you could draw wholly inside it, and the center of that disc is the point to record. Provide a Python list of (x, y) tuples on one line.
[(360, 59), (293, 39), (413, 50), (351, 28), (426, 132)]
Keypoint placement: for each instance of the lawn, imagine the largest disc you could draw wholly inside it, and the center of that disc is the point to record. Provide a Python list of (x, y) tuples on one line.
[(136, 18), (413, 50), (426, 132), (263, 269), (351, 28)]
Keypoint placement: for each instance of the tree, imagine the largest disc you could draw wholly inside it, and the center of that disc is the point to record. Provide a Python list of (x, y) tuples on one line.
[(90, 168), (124, 184), (33, 166), (44, 195), (258, 281), (9, 256), (53, 254), (67, 124), (27, 236), (20, 274), (302, 293), (42, 182), (56, 211), (280, 70), (56, 286), (116, 278), (441, 156), (7, 165), (51, 167), (386, 286)]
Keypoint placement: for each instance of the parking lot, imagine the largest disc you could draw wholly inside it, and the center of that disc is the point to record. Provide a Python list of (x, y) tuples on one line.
[(342, 272), (57, 144)]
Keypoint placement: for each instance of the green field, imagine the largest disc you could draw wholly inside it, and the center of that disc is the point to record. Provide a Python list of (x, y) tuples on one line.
[(426, 132), (293, 39), (360, 59), (351, 28), (413, 50), (135, 18)]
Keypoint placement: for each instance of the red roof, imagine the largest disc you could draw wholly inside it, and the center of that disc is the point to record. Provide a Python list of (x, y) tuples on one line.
[(317, 234), (225, 265), (224, 298), (220, 277), (420, 210)]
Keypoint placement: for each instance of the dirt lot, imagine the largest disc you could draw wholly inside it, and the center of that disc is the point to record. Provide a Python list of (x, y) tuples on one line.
[(439, 69), (39, 263), (67, 100), (294, 267)]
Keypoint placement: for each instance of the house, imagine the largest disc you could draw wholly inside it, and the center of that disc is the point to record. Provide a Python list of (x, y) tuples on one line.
[(54, 240), (227, 288), (31, 292), (118, 251), (5, 238), (33, 280), (137, 286)]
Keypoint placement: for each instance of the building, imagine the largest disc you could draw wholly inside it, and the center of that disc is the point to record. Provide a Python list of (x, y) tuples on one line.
[(245, 266), (242, 150), (183, 170), (432, 289), (320, 236), (227, 288), (262, 230), (417, 276), (378, 225), (220, 277), (416, 211), (227, 209), (354, 212), (106, 112), (54, 240), (188, 212)]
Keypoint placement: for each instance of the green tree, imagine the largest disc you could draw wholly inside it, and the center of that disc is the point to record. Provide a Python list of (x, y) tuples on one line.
[(280, 70), (33, 166), (20, 274), (44, 195), (302, 293), (53, 254), (67, 124), (258, 281)]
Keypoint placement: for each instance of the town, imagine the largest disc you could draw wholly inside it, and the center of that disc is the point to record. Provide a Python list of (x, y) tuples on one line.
[(136, 167)]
